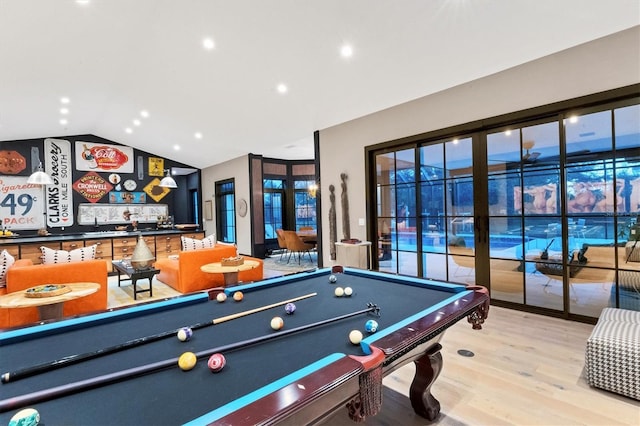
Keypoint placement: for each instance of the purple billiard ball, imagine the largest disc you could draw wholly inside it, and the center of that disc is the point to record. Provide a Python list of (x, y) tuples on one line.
[(289, 308)]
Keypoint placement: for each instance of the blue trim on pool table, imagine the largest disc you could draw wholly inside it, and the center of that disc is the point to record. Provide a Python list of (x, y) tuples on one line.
[(65, 325), (367, 341), (264, 391)]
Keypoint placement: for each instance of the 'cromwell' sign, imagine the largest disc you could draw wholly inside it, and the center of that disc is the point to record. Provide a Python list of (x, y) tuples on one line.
[(92, 187)]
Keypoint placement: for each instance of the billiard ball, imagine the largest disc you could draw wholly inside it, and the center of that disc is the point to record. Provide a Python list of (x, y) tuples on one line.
[(339, 292), (216, 362), (184, 334), (355, 336), (371, 326), (333, 279), (277, 323), (237, 296), (289, 308), (221, 297), (187, 361), (26, 417), (348, 291)]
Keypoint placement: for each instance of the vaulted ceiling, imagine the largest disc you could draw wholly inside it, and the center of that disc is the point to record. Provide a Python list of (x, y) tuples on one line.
[(113, 60)]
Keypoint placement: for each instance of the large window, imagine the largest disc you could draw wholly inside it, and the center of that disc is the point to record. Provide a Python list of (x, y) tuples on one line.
[(305, 204), (273, 207), (542, 212), (226, 211)]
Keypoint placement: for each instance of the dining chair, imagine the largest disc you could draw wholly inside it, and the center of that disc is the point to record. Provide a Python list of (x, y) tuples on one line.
[(295, 245), (282, 243)]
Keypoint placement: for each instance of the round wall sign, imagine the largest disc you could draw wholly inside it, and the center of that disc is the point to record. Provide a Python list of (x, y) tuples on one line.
[(242, 207)]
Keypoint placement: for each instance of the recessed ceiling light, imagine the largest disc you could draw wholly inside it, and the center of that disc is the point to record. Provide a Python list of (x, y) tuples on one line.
[(83, 2), (64, 100), (282, 88), (208, 43), (144, 113), (346, 51), (64, 110), (63, 121), (176, 147), (136, 122), (197, 135), (128, 130)]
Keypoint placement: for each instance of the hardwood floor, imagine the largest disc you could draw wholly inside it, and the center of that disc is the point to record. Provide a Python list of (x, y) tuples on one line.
[(527, 370)]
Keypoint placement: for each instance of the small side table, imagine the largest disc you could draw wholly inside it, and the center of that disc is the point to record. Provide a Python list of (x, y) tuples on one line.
[(124, 268)]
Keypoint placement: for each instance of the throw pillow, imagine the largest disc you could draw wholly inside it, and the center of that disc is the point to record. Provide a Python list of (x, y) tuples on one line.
[(6, 260), (193, 244), (51, 256)]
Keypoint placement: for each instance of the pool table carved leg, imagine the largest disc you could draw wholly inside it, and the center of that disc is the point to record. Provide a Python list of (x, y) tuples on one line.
[(428, 369)]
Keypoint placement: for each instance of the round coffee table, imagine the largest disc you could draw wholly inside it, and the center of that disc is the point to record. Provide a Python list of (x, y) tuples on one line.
[(230, 273), (48, 307)]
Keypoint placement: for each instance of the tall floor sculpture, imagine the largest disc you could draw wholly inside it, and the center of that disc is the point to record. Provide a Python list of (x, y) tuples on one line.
[(333, 232), (346, 230)]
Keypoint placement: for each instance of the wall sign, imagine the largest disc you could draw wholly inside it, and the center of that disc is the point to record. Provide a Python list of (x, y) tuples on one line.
[(92, 187), (21, 203), (89, 213), (57, 155), (156, 166), (154, 191), (104, 158)]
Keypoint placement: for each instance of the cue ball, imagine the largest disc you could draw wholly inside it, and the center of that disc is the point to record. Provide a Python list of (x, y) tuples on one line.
[(187, 361), (355, 336), (221, 297), (348, 291), (277, 323), (339, 292), (26, 417), (237, 296), (371, 326), (289, 308), (333, 279), (185, 334), (216, 362)]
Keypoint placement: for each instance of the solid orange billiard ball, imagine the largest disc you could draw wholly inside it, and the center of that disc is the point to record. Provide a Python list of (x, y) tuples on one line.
[(237, 296)]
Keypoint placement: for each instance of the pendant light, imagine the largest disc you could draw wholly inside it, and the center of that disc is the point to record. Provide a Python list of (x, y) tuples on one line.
[(39, 177), (168, 181)]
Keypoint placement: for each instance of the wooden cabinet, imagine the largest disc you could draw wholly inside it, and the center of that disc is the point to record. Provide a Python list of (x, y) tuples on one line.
[(167, 245), (33, 252), (103, 250), (123, 247), (72, 245)]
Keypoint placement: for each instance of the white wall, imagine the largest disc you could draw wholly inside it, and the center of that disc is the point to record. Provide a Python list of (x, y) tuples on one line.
[(237, 169), (600, 65)]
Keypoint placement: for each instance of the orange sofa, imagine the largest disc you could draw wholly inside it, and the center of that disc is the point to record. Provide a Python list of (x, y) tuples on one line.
[(24, 274), (184, 274)]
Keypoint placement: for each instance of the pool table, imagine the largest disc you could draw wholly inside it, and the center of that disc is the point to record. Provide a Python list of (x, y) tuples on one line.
[(289, 378)]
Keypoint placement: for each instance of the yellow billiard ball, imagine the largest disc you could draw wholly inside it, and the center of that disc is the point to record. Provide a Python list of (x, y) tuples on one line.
[(187, 361), (237, 296)]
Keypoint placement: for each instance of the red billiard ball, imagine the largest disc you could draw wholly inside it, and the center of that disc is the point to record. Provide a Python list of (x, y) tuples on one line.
[(216, 362)]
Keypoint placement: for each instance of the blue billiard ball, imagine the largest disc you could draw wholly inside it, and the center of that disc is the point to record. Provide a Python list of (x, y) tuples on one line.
[(371, 326), (289, 308)]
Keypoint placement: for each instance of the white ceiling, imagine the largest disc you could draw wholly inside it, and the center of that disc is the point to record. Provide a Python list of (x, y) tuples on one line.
[(114, 58)]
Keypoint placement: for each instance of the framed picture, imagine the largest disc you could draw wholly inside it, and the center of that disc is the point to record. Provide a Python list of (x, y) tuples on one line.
[(208, 210)]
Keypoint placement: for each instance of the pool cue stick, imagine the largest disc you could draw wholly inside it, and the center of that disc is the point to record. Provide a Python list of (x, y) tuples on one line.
[(16, 402), (74, 359)]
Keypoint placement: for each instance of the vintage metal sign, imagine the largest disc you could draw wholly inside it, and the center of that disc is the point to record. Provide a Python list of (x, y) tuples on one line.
[(92, 187), (104, 158), (57, 153), (21, 203)]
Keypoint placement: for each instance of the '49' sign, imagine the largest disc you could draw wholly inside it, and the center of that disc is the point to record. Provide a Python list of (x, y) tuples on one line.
[(21, 203)]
